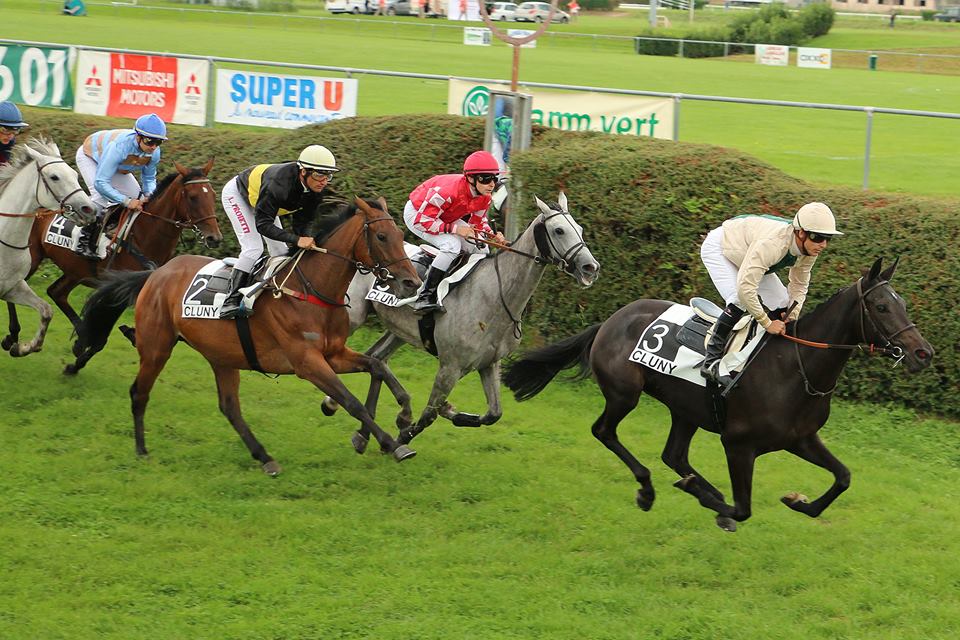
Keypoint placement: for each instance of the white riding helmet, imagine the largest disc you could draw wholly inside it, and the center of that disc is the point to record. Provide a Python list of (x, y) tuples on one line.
[(317, 157), (816, 217)]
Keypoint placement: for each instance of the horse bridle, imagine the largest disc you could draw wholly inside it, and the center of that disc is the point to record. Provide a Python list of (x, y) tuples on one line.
[(890, 349), (190, 223), (549, 253), (65, 209)]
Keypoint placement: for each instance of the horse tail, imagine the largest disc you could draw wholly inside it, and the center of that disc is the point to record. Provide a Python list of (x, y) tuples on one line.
[(528, 376), (117, 291)]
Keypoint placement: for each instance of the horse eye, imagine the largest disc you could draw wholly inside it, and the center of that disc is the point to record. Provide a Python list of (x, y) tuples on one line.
[(882, 308), (382, 237), (559, 232), (54, 178)]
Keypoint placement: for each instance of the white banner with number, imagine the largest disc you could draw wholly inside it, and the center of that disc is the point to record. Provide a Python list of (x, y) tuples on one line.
[(35, 76)]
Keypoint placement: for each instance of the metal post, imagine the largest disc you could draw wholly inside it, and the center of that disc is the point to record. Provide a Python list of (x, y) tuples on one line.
[(866, 153), (653, 13), (211, 92), (680, 50), (676, 117)]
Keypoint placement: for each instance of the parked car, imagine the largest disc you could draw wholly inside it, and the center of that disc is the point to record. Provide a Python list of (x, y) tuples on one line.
[(502, 10), (538, 12), (347, 6), (950, 14)]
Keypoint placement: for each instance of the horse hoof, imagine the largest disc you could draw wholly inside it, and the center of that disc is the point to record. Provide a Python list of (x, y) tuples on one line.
[(272, 468), (644, 501), (7, 342), (359, 442), (328, 409), (727, 524), (70, 370), (403, 452), (793, 498)]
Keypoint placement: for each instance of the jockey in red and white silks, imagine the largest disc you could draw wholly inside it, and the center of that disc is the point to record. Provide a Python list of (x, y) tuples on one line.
[(446, 211)]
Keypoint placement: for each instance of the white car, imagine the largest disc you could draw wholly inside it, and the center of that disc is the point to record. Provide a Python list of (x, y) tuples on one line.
[(538, 12), (502, 10), (347, 6)]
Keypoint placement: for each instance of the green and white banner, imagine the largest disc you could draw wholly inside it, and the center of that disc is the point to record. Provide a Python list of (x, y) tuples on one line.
[(35, 76), (576, 111)]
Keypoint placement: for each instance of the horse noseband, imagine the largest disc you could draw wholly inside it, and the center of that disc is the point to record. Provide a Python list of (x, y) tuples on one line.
[(549, 253)]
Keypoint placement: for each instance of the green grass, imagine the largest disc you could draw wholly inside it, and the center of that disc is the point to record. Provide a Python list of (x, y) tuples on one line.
[(910, 154), (526, 529)]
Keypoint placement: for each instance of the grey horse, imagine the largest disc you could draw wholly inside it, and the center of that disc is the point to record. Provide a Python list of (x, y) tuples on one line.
[(481, 323)]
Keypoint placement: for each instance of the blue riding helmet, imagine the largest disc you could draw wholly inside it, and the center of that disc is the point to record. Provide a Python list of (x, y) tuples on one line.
[(151, 126), (10, 116)]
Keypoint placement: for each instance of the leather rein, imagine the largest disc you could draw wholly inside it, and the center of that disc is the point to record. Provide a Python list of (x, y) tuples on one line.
[(888, 349), (64, 208)]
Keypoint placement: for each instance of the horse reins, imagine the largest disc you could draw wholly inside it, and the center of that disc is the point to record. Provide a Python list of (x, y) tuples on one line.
[(865, 347), (46, 212)]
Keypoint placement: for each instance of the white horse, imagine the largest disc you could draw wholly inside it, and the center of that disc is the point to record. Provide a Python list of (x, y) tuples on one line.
[(481, 323), (37, 177)]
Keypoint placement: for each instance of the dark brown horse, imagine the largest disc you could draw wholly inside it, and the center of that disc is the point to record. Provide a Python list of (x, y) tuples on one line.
[(290, 335), (780, 402), (183, 200)]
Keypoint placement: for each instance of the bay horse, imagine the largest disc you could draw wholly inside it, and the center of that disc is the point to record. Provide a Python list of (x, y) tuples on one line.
[(481, 324), (36, 178), (184, 199), (780, 403), (301, 331)]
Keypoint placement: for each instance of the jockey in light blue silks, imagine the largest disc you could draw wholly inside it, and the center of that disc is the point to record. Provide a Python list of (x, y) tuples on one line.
[(11, 123), (107, 160)]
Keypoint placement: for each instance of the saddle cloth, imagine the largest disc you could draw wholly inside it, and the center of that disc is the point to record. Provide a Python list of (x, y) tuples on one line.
[(422, 256), (66, 234), (208, 288), (675, 343)]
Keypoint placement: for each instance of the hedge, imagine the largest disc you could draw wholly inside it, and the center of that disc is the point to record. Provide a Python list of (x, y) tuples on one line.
[(645, 205)]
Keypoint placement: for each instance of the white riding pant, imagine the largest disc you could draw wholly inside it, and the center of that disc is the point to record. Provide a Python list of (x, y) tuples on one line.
[(125, 183), (450, 244), (724, 275), (244, 223)]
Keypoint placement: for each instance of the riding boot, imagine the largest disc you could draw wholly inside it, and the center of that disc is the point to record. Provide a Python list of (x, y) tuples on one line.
[(427, 300), (88, 241), (710, 369), (231, 306)]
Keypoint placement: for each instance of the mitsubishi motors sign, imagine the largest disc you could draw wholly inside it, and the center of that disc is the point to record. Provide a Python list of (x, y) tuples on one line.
[(128, 86)]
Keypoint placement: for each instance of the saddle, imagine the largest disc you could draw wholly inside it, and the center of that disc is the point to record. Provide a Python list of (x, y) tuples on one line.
[(696, 332)]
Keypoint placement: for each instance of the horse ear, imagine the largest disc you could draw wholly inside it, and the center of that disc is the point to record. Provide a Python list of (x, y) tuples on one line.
[(542, 206), (206, 168), (357, 200), (182, 170), (33, 153), (888, 274), (383, 203), (562, 201), (874, 270)]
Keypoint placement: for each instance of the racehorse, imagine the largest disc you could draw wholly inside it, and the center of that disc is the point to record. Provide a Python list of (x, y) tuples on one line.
[(36, 178), (302, 332), (780, 403), (482, 320), (184, 199)]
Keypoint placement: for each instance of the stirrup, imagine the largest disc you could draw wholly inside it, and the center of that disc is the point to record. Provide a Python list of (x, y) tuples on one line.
[(230, 311)]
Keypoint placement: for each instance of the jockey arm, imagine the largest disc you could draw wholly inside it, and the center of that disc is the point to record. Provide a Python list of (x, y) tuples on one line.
[(799, 282), (266, 212), (760, 256), (107, 167), (149, 174)]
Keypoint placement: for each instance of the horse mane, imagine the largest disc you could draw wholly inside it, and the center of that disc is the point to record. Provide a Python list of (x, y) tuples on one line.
[(328, 223), (169, 178), (821, 308), (19, 158)]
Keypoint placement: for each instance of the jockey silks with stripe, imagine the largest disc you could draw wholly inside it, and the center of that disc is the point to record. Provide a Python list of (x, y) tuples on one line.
[(254, 202), (448, 210)]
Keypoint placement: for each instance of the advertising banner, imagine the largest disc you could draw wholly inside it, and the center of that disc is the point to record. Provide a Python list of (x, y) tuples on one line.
[(282, 101), (35, 76), (813, 58), (128, 86), (477, 36), (775, 55), (580, 111)]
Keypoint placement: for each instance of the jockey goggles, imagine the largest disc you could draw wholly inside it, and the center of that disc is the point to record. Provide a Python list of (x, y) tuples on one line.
[(817, 238), (9, 130), (151, 142), (319, 174), (485, 178)]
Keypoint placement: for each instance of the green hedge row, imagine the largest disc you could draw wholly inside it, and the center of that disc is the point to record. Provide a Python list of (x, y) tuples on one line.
[(645, 205)]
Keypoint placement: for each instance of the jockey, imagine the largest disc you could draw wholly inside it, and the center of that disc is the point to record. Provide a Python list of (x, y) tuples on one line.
[(742, 257), (263, 193), (11, 123), (107, 159), (448, 209)]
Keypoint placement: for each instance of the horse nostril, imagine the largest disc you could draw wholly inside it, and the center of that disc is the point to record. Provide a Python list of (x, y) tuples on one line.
[(589, 267), (410, 284), (922, 354)]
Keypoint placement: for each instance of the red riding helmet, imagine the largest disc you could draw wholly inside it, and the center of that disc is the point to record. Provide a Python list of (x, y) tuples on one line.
[(480, 162)]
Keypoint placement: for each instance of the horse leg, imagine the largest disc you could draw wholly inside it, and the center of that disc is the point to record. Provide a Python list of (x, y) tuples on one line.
[(228, 392), (314, 368), (447, 378), (13, 333), (22, 294), (674, 455), (605, 430), (153, 357), (382, 349), (59, 292), (740, 461), (490, 378), (813, 450)]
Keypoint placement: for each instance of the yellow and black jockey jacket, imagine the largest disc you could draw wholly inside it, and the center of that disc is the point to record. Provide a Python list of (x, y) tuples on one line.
[(274, 190)]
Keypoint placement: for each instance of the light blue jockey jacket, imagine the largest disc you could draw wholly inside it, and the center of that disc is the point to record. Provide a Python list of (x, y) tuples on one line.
[(116, 151)]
